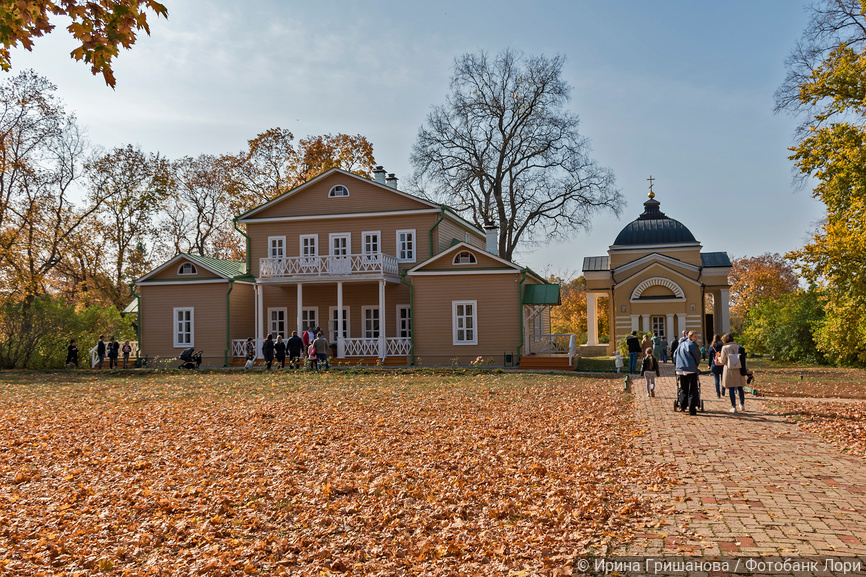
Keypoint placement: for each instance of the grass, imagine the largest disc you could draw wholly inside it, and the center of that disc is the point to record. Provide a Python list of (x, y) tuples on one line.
[(369, 472), (790, 380)]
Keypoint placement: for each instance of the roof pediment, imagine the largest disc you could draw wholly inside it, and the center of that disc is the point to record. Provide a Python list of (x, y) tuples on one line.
[(656, 269)]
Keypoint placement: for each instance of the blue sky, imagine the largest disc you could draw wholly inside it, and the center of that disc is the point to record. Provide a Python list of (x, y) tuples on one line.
[(680, 90)]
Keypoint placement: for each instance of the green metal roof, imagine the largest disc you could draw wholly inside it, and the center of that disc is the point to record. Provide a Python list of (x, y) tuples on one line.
[(541, 294), (229, 268)]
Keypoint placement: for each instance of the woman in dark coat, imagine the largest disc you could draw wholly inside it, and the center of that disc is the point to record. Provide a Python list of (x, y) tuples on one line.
[(72, 355)]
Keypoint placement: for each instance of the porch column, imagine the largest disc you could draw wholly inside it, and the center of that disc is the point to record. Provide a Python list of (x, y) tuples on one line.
[(341, 345), (300, 309), (669, 327), (591, 320), (635, 326), (646, 323), (726, 311), (681, 324), (260, 321), (382, 320)]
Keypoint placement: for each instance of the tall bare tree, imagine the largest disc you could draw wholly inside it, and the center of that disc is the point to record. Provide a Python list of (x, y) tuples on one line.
[(504, 148)]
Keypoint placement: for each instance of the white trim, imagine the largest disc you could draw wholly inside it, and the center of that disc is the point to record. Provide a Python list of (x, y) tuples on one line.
[(301, 238), (364, 234), (460, 272), (282, 240), (657, 281), (174, 327), (364, 310), (414, 257), (270, 327), (347, 236), (473, 316), (246, 216), (662, 266), (472, 258), (347, 319), (183, 282), (656, 256), (398, 319), (343, 186), (347, 215), (176, 258), (515, 267)]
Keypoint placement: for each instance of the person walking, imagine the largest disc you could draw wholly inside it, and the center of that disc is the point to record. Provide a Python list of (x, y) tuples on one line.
[(657, 346), (650, 370), (713, 352), (126, 350), (268, 351), (72, 355), (732, 360), (646, 344), (687, 359), (633, 351), (100, 351), (295, 345), (280, 352), (113, 352), (322, 347), (251, 353), (664, 350), (617, 361)]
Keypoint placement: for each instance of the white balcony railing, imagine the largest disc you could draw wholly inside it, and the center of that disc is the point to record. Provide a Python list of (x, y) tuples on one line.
[(366, 347), (398, 346), (324, 266), (361, 347), (550, 344)]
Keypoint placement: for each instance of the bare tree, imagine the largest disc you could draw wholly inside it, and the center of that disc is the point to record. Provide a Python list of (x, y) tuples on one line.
[(504, 148)]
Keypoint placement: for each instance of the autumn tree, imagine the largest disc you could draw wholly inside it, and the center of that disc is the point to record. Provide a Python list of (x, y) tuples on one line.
[(102, 27), (570, 316), (754, 279), (824, 87), (504, 148), (783, 327), (138, 184)]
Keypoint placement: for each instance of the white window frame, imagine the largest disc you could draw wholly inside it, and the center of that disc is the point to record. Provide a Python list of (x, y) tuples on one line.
[(193, 270), (315, 243), (285, 321), (335, 187), (364, 321), (401, 256), (402, 322), (472, 258), (347, 321), (279, 243), (660, 326), (176, 333), (368, 233), (334, 235), (305, 316), (455, 322)]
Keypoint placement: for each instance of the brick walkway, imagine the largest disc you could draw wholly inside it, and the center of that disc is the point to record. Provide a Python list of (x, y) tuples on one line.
[(753, 484)]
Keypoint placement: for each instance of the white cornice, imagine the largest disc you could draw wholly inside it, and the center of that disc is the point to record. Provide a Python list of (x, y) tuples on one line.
[(597, 275), (666, 247)]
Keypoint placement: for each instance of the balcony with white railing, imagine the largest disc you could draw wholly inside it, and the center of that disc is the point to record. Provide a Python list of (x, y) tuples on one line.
[(358, 347), (374, 265)]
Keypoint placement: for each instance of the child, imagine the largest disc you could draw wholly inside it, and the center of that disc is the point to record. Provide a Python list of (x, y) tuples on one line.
[(649, 369), (127, 348), (618, 362)]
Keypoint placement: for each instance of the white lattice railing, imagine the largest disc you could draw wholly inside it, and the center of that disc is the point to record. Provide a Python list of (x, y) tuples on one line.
[(321, 266), (361, 347), (94, 358), (555, 344), (398, 346)]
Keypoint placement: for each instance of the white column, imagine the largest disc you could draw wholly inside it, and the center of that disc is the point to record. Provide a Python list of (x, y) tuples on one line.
[(646, 323), (300, 309), (341, 344), (260, 322), (726, 311), (382, 320), (591, 320), (634, 322), (669, 327), (681, 324), (255, 312)]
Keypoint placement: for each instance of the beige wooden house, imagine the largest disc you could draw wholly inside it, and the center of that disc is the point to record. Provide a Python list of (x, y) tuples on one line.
[(385, 274), (657, 279)]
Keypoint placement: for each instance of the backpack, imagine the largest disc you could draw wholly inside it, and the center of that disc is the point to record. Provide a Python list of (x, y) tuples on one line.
[(734, 361)]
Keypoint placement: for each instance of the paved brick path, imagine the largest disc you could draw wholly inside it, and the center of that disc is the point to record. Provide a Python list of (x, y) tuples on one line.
[(754, 484)]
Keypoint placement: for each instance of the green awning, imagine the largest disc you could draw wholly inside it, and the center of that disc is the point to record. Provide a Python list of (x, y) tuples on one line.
[(541, 294)]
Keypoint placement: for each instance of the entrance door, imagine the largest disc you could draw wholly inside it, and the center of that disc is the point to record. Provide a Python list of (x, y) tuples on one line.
[(658, 324)]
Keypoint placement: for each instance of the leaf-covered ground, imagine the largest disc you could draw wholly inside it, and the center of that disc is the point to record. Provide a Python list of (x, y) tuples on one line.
[(229, 474), (840, 423), (778, 380)]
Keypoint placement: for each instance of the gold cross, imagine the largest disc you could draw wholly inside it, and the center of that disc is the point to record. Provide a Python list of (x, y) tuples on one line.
[(651, 193)]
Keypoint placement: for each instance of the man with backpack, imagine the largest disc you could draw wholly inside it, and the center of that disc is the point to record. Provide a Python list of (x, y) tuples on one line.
[(687, 359)]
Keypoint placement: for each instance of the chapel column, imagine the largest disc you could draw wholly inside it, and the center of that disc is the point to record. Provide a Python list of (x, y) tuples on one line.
[(726, 312), (681, 324), (635, 322), (646, 323), (591, 320), (669, 327)]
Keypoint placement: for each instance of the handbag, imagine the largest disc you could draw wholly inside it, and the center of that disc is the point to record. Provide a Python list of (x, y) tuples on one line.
[(249, 364)]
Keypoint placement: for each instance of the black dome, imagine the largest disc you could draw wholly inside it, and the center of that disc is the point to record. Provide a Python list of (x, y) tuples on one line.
[(653, 227)]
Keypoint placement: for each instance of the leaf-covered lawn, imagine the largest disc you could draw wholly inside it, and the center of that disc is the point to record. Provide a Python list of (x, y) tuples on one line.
[(218, 474), (775, 380), (840, 423)]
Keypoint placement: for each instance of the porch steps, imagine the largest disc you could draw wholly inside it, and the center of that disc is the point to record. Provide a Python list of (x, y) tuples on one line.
[(547, 362)]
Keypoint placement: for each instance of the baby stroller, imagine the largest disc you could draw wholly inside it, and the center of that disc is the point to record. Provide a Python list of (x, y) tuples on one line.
[(190, 360), (682, 399)]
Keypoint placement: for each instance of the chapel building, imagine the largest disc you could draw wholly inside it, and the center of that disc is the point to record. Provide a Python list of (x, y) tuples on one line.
[(657, 279)]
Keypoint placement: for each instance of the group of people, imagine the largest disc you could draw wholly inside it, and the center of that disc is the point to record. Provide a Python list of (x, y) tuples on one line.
[(311, 345), (726, 362), (112, 350)]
